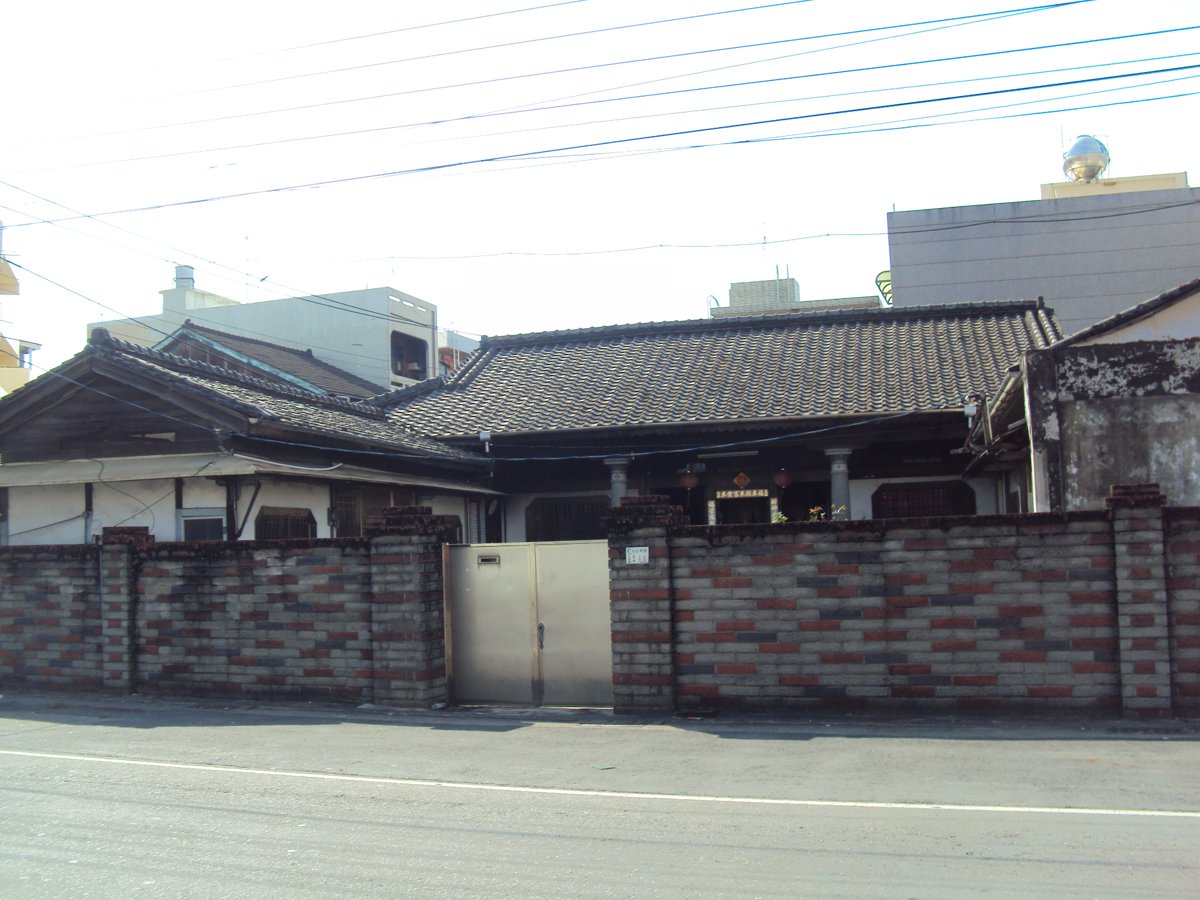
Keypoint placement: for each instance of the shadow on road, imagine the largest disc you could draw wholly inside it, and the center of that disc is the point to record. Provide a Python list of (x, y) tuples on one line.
[(145, 712)]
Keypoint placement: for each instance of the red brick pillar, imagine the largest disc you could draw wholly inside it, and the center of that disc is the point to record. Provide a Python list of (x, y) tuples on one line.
[(117, 587), (641, 598), (1143, 611), (408, 637)]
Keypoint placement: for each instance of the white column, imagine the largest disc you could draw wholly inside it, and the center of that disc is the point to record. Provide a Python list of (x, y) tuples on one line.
[(839, 481), (618, 478)]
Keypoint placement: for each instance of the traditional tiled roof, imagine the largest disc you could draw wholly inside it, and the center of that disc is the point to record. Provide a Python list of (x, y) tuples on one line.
[(722, 371), (305, 368), (1133, 313), (273, 403)]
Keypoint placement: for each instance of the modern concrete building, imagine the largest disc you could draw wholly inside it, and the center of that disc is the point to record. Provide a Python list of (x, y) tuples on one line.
[(383, 335), (1089, 248), (781, 295), (15, 361)]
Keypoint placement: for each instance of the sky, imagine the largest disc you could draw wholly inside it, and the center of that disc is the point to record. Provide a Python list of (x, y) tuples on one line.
[(532, 165)]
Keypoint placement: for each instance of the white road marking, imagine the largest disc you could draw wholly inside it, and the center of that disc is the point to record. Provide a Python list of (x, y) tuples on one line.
[(617, 795)]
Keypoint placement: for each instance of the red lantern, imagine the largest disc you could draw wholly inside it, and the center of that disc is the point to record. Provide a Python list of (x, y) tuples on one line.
[(689, 480), (783, 478)]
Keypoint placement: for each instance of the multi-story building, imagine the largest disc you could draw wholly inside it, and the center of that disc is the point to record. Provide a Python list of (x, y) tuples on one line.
[(1091, 246), (382, 335), (15, 361)]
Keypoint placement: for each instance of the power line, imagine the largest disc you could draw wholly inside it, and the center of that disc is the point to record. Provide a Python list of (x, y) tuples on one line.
[(196, 316), (612, 142), (941, 25), (385, 128), (407, 28), (502, 46), (575, 69), (311, 297)]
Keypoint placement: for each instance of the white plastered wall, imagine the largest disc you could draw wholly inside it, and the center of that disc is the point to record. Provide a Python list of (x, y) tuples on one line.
[(48, 514)]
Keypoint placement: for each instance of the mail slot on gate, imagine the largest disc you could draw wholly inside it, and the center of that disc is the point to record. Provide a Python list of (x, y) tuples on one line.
[(492, 559)]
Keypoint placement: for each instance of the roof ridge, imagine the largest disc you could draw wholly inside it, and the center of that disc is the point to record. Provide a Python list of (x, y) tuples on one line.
[(732, 323), (307, 353), (390, 398), (101, 339)]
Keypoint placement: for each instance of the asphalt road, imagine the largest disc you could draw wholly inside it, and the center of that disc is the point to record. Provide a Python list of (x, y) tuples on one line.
[(108, 797)]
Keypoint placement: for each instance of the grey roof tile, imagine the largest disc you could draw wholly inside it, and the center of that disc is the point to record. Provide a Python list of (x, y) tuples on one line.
[(276, 403), (301, 363), (721, 371)]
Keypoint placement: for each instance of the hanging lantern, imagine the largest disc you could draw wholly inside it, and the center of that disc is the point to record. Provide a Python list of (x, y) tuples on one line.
[(689, 480), (783, 478)]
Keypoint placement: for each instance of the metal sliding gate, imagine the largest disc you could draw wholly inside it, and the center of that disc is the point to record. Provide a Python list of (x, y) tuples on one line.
[(529, 623)]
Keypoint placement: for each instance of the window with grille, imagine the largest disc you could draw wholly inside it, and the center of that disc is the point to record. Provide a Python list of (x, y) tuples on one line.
[(281, 523), (901, 500), (565, 519)]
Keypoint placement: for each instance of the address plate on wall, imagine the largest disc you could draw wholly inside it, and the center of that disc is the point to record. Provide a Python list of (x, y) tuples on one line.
[(637, 556)]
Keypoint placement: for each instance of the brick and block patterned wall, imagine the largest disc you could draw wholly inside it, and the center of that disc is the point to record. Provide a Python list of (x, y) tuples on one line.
[(1089, 611), (1182, 527), (356, 619), (52, 630), (1093, 611)]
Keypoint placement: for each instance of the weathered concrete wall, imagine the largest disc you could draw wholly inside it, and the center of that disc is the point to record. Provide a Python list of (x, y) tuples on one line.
[(1111, 413), (1052, 611)]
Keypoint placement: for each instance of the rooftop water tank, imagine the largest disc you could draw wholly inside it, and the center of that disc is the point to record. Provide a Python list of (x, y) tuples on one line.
[(1086, 159)]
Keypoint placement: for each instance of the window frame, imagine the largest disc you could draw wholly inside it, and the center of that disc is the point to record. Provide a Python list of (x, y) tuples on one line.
[(198, 512)]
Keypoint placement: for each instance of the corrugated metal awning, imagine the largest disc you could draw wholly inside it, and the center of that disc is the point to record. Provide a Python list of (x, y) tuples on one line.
[(206, 465)]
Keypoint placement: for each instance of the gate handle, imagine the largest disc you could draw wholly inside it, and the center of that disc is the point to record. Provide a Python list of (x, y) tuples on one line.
[(541, 636)]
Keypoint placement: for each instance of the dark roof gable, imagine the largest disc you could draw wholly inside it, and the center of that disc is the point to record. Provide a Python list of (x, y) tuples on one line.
[(300, 367), (274, 405)]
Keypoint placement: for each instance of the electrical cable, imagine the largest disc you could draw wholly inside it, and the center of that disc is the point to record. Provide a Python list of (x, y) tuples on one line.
[(322, 300), (503, 46), (197, 316), (576, 69), (940, 25), (378, 129), (407, 28), (437, 167), (726, 108), (831, 132)]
